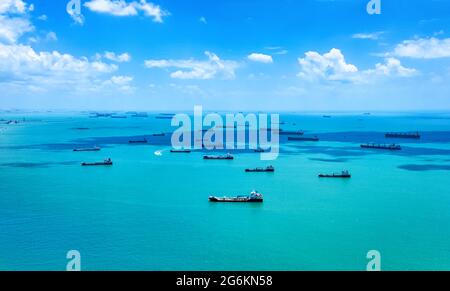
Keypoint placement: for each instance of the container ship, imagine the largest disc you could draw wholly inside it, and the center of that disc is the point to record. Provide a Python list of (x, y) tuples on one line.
[(392, 147), (138, 141), (94, 149), (314, 138), (283, 132), (253, 197), (107, 162), (180, 151), (412, 135), (343, 174), (226, 157), (259, 170)]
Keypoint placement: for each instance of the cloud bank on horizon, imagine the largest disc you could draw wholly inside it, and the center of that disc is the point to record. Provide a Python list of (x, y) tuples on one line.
[(120, 54)]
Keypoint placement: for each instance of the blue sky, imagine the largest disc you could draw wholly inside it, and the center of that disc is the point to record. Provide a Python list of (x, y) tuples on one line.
[(244, 55)]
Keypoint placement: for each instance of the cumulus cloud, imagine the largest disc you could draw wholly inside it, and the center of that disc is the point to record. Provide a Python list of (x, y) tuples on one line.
[(51, 36), (15, 7), (119, 58), (424, 48), (393, 67), (122, 83), (47, 70), (14, 20), (124, 8), (332, 66), (260, 58), (193, 69)]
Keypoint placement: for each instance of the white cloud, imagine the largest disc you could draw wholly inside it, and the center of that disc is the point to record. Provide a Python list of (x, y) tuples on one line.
[(424, 48), (330, 66), (124, 8), (12, 28), (14, 7), (260, 58), (13, 20), (203, 20), (121, 80), (393, 67), (122, 58), (371, 36), (333, 67), (192, 69), (43, 17), (51, 36), (122, 83), (21, 64)]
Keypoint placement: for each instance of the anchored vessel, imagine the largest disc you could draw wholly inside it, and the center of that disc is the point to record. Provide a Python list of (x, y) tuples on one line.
[(315, 138), (158, 134), (282, 132), (138, 141), (343, 174), (226, 157), (414, 135), (392, 147), (107, 162), (253, 197), (94, 149), (260, 150), (258, 170), (180, 151)]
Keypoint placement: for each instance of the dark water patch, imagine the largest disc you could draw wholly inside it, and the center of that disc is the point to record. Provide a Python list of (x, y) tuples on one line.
[(37, 164), (421, 168)]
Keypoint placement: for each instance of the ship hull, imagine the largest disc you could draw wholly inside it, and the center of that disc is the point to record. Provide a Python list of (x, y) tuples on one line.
[(234, 200), (96, 164)]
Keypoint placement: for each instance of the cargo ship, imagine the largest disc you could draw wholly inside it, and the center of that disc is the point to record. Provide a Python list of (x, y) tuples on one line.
[(138, 141), (107, 162), (392, 147), (259, 150), (314, 138), (158, 134), (343, 174), (94, 149), (259, 170), (226, 157), (253, 197), (283, 132), (181, 151), (412, 135)]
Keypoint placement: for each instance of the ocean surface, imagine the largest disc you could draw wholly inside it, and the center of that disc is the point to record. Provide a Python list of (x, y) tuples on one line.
[(150, 211)]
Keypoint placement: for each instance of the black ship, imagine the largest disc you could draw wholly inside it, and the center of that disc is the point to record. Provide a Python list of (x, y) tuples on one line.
[(293, 138), (259, 170), (283, 132), (343, 174), (392, 147), (94, 149), (107, 162), (253, 197), (180, 151), (412, 135), (226, 157), (138, 141), (158, 134)]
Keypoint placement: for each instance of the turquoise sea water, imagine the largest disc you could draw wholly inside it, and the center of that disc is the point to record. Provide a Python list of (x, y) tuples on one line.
[(151, 212)]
